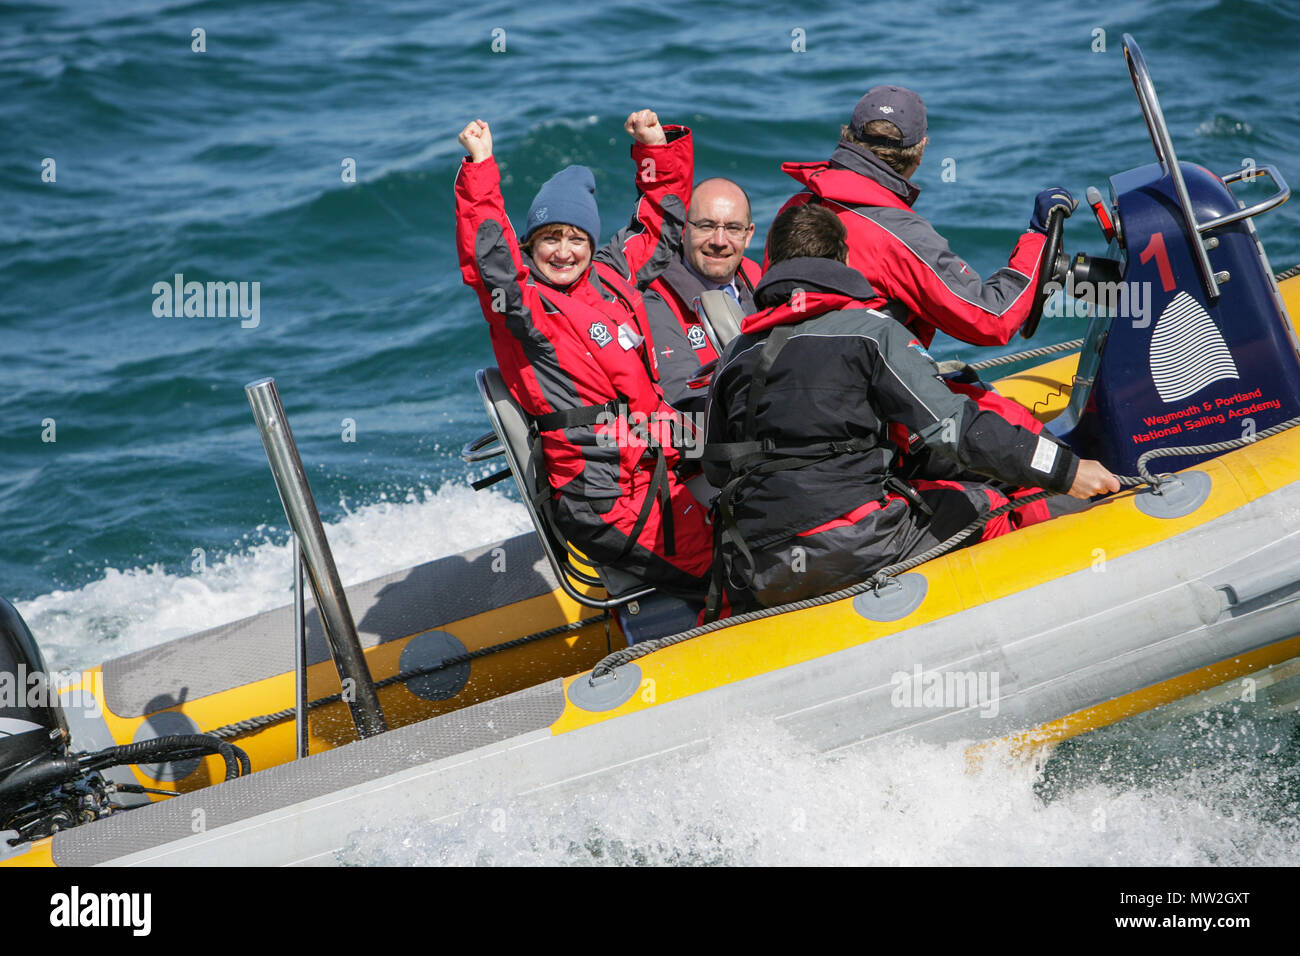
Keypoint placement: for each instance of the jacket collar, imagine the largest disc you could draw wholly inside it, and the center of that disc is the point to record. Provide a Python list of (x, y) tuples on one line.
[(854, 176), (824, 285), (864, 162), (587, 287), (823, 275)]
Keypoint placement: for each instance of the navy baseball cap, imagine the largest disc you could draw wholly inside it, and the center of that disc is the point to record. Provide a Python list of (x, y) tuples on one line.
[(900, 106)]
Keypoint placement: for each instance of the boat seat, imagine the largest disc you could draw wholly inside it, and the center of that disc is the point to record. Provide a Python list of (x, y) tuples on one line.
[(720, 314), (512, 424)]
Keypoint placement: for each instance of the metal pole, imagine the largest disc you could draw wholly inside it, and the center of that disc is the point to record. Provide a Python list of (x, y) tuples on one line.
[(1159, 130), (299, 650), (331, 602)]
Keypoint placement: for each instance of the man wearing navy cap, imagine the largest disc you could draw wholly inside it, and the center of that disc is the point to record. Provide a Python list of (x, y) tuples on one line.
[(867, 184)]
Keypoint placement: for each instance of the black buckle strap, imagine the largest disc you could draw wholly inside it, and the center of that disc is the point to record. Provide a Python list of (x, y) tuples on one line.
[(573, 417), (740, 454), (899, 486), (658, 491)]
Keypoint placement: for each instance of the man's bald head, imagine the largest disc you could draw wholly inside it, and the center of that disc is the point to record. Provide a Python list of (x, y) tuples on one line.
[(706, 191), (719, 227)]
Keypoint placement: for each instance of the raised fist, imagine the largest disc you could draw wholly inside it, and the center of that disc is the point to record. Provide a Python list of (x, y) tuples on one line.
[(477, 140), (645, 129)]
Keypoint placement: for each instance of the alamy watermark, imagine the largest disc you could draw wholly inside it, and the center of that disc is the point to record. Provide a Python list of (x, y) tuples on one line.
[(624, 428), (76, 908), (1119, 300), (178, 298), (37, 690), (950, 690)]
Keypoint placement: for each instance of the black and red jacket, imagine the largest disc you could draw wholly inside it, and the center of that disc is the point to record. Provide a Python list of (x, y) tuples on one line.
[(845, 375), (907, 262)]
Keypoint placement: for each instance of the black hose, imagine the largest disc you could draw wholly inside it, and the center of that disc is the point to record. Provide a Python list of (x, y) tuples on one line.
[(173, 748)]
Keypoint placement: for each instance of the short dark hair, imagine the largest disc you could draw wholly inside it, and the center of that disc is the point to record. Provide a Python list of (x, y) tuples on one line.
[(898, 159), (810, 230)]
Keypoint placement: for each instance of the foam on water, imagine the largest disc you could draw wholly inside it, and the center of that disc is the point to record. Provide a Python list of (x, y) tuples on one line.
[(757, 797), (126, 610)]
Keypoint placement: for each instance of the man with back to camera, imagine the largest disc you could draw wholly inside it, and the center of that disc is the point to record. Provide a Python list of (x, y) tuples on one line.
[(800, 406)]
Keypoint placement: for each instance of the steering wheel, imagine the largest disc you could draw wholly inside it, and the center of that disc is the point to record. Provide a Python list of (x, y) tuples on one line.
[(1052, 269)]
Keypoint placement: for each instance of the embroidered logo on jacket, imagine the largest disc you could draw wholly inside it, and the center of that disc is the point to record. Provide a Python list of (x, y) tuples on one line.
[(599, 333), (695, 335)]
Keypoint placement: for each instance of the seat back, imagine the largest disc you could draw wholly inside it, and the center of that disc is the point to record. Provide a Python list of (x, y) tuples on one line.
[(720, 314)]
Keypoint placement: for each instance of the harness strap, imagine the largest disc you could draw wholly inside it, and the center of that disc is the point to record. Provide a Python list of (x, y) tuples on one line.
[(758, 381), (573, 417), (738, 454), (726, 531), (659, 489)]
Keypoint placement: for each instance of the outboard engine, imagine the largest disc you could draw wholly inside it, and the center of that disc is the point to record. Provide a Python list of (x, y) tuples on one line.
[(33, 728), (44, 787), (1195, 345)]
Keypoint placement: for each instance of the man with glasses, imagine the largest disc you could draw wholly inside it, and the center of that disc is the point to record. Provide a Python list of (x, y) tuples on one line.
[(708, 253)]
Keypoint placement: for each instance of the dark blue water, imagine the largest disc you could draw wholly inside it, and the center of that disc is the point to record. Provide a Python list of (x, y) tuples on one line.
[(152, 512)]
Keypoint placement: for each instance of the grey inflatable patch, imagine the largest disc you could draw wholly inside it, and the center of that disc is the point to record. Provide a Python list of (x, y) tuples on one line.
[(427, 649), (894, 600), (608, 691), (166, 724), (1179, 495)]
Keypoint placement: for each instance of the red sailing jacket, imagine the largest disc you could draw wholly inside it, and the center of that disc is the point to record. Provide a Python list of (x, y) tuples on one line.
[(583, 346), (905, 260)]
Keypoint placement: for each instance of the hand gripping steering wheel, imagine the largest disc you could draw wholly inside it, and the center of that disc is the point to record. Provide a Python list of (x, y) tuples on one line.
[(1052, 269)]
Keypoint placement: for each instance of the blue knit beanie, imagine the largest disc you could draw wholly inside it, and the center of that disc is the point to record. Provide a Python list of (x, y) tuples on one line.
[(567, 197)]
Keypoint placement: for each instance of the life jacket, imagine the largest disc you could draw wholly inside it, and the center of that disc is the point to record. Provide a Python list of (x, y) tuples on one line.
[(673, 304), (745, 456), (606, 279)]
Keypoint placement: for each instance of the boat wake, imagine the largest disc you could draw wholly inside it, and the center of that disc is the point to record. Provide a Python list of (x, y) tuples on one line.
[(755, 797)]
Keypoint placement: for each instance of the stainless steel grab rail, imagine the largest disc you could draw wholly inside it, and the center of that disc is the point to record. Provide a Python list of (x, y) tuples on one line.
[(1264, 205), (304, 520), (1164, 147)]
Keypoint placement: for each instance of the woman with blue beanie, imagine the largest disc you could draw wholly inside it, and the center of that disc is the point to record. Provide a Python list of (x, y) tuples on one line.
[(571, 342)]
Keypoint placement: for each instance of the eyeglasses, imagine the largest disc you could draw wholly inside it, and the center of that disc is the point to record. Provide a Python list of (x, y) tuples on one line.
[(734, 230)]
